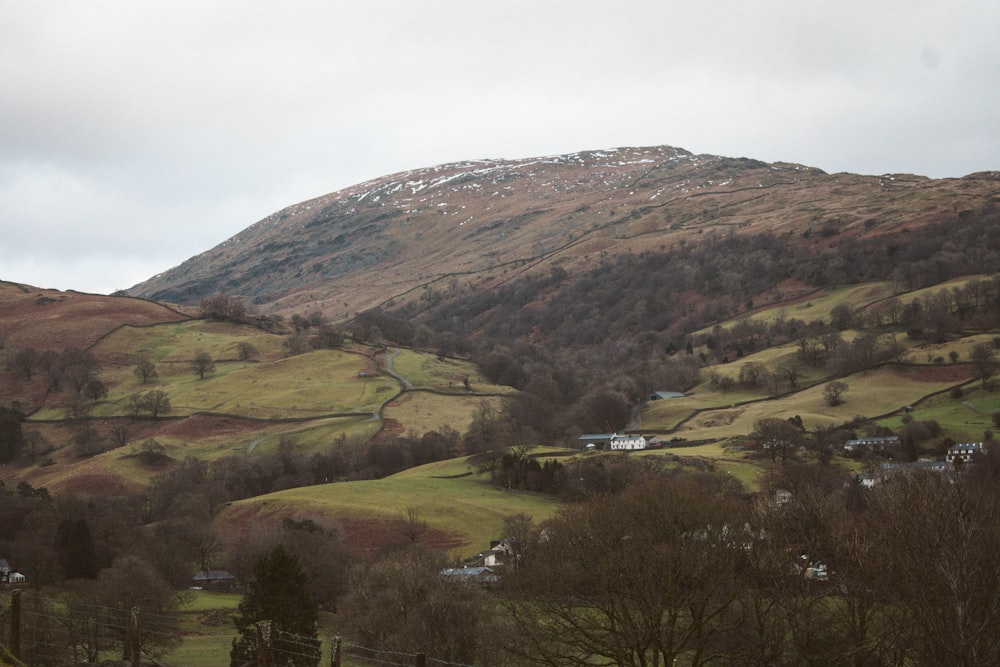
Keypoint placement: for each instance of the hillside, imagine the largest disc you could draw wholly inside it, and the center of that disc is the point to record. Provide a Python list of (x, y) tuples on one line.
[(482, 223)]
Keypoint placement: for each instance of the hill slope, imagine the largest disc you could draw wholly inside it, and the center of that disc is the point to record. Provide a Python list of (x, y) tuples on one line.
[(489, 220)]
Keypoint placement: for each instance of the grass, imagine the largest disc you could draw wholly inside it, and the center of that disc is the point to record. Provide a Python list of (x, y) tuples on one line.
[(421, 412), (445, 494), (872, 394)]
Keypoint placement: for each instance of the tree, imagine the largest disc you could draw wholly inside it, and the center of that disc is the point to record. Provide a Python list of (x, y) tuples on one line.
[(246, 351), (751, 374), (75, 546), (120, 433), (951, 522), (78, 367), (95, 390), (145, 370), (833, 392), (649, 577), (279, 592), (328, 337), (76, 406), (155, 402), (11, 436), (400, 602), (778, 437), (25, 362), (132, 583), (223, 307), (203, 364), (984, 361), (295, 344)]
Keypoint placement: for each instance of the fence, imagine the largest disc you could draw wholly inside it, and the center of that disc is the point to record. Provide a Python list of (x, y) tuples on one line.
[(46, 632)]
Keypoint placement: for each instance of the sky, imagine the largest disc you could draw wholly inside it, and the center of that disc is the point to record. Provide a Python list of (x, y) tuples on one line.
[(134, 135)]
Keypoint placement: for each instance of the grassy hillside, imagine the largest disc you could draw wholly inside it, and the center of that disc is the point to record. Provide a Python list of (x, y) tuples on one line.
[(247, 405), (462, 510)]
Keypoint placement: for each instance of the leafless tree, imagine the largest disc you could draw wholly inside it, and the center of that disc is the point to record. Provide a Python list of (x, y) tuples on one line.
[(943, 572), (25, 362), (145, 370), (833, 392), (646, 578), (246, 351), (984, 361), (203, 364)]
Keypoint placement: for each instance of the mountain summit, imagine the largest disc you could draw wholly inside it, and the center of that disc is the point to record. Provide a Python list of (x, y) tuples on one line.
[(487, 221)]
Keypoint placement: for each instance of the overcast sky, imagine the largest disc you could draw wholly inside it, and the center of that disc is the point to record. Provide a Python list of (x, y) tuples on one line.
[(136, 134)]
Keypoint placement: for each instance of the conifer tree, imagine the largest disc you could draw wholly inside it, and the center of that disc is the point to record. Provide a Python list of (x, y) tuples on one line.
[(279, 593)]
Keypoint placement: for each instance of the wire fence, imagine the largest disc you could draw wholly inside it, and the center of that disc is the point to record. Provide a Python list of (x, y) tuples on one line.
[(53, 632)]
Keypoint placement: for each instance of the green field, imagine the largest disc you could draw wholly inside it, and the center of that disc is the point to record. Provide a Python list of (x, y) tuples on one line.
[(448, 495)]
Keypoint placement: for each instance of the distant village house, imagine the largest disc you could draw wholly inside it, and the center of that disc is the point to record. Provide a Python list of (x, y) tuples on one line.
[(964, 452), (8, 575)]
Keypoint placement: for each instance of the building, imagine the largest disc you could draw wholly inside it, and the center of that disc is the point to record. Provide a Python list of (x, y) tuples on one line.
[(591, 441), (628, 443), (9, 576), (876, 444), (964, 451)]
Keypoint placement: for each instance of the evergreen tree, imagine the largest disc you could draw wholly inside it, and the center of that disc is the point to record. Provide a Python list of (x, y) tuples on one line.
[(75, 546), (11, 436), (278, 593)]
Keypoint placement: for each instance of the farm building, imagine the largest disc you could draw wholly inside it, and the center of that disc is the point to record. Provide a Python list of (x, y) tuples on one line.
[(626, 442)]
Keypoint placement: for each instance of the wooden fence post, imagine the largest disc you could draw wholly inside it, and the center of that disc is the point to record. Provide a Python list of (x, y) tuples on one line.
[(133, 637), (265, 637), (15, 623), (335, 652)]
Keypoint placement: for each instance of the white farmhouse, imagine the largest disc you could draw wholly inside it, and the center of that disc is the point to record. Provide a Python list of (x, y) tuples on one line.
[(628, 442), (966, 451)]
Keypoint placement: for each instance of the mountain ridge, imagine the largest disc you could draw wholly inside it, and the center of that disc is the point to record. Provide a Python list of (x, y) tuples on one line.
[(486, 220)]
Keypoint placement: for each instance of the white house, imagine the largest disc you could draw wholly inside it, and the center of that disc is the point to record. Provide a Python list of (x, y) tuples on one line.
[(964, 451), (626, 442), (879, 444), (8, 576)]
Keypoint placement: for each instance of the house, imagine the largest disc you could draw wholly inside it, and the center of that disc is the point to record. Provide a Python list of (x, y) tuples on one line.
[(627, 442), (214, 580), (9, 576), (875, 444), (964, 451), (477, 575), (501, 552)]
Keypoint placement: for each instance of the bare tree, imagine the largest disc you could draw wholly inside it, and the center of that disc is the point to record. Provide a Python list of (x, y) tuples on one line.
[(95, 390), (154, 402), (223, 307), (145, 370), (779, 438), (203, 364), (833, 392), (649, 577), (120, 433), (941, 572), (25, 362), (413, 525), (984, 361), (246, 351)]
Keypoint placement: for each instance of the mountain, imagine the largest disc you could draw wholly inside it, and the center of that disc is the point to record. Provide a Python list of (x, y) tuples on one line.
[(481, 223)]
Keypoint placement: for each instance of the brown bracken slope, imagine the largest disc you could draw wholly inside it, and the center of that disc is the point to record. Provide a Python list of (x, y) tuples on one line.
[(489, 220)]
